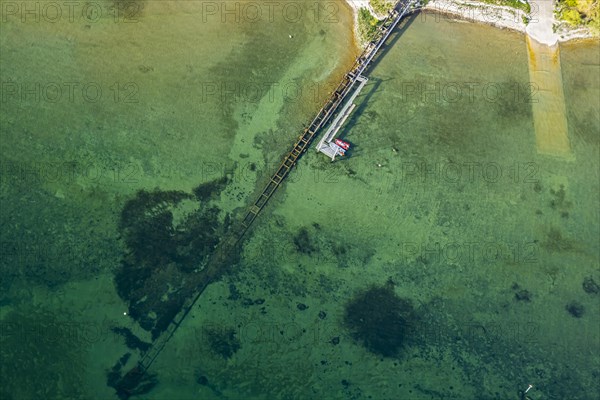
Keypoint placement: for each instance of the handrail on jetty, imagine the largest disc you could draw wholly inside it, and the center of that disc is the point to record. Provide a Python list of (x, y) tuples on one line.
[(128, 383)]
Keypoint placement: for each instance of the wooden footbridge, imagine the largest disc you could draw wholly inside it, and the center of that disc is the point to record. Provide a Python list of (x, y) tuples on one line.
[(346, 90)]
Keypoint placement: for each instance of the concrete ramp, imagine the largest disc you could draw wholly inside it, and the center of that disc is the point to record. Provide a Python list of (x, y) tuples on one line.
[(548, 100)]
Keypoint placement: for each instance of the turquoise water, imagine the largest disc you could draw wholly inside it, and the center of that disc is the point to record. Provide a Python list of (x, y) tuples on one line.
[(444, 196)]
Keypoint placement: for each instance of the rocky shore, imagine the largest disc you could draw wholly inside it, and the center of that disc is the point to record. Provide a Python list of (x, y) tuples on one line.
[(539, 24)]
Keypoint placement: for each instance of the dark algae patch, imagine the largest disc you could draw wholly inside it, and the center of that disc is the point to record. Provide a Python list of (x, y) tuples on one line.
[(430, 171), (135, 381), (575, 308), (132, 341), (379, 319), (147, 226), (520, 293), (590, 286), (169, 236), (222, 341), (303, 242), (210, 190)]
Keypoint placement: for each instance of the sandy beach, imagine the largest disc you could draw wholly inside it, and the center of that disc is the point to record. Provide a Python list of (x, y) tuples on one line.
[(358, 4)]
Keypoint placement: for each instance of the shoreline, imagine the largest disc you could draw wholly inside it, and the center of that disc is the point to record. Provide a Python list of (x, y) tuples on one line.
[(502, 17), (356, 5)]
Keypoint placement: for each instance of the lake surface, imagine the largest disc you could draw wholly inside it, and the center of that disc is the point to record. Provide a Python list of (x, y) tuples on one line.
[(444, 195)]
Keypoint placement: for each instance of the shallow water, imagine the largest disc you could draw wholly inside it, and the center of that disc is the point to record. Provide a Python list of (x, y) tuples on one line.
[(549, 112), (444, 193), (447, 195)]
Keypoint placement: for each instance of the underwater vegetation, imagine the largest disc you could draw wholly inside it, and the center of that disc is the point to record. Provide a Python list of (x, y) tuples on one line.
[(222, 341), (168, 235), (303, 243), (379, 319), (135, 381), (41, 356), (132, 341), (590, 286), (210, 190), (575, 308)]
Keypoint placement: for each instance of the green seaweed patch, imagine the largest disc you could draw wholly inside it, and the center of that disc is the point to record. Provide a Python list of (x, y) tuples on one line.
[(132, 341), (146, 204), (303, 242), (210, 190), (560, 202), (590, 286), (222, 341), (555, 242), (379, 319), (169, 237), (134, 383)]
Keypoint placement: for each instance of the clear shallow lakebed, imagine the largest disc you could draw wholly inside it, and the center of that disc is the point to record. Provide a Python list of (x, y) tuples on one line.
[(444, 195)]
